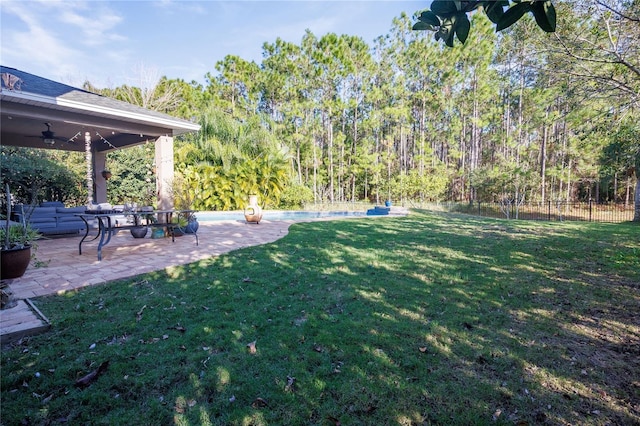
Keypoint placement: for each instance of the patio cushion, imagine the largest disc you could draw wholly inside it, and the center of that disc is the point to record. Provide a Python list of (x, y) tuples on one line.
[(44, 225), (39, 212), (71, 210), (70, 219), (42, 215), (43, 221), (52, 204)]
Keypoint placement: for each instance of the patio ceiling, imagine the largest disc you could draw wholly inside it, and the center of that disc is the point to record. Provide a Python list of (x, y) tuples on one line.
[(27, 102)]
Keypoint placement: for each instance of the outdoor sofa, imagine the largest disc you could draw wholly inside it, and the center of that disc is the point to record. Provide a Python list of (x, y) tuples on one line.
[(51, 218)]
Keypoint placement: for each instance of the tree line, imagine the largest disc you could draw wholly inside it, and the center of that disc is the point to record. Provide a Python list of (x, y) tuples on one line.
[(523, 115)]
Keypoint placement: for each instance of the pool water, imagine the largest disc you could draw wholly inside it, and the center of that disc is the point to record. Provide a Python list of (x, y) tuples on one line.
[(275, 215)]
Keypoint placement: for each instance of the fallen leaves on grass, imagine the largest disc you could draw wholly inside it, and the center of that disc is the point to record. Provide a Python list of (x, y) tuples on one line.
[(335, 421), (496, 414), (290, 387), (153, 340), (252, 347), (139, 313), (179, 328), (370, 409), (85, 381), (259, 403)]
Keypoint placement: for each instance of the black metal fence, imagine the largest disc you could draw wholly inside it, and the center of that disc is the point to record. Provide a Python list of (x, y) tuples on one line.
[(550, 210)]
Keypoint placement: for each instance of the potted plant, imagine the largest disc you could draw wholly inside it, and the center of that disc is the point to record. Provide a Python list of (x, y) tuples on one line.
[(140, 231), (16, 240), (17, 243), (192, 224), (179, 225), (183, 201)]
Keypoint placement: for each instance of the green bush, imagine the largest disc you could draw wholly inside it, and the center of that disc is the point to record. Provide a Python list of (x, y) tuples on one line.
[(295, 196)]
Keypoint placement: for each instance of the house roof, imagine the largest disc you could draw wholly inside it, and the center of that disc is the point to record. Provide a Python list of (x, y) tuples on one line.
[(28, 102)]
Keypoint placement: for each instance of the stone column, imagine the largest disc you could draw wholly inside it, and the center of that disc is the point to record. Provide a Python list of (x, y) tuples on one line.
[(164, 172)]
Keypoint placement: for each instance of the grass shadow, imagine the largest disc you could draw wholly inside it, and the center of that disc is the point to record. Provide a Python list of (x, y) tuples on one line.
[(429, 319)]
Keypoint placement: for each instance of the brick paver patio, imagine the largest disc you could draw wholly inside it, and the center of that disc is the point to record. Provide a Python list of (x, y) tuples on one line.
[(63, 269)]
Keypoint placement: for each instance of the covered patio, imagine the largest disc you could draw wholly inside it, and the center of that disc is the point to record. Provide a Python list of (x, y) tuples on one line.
[(40, 113), (44, 114)]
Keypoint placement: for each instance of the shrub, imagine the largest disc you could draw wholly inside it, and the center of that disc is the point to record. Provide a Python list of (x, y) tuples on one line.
[(295, 196)]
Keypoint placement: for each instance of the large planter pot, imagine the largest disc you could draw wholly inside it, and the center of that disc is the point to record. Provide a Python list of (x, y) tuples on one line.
[(14, 262), (139, 232), (192, 227)]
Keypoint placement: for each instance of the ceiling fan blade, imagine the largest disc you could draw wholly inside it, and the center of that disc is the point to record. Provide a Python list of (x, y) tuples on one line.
[(70, 141)]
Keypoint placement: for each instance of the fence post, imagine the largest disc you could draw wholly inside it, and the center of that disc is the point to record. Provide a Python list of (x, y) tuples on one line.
[(590, 209), (549, 210), (479, 211)]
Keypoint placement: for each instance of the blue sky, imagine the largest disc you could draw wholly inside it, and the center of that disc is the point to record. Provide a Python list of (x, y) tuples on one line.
[(134, 42)]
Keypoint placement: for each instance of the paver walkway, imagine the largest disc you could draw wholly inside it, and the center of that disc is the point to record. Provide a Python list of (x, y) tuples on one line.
[(125, 256), (65, 270)]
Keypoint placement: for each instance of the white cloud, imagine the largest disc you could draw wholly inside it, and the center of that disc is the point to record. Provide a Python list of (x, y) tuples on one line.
[(59, 39), (181, 6), (98, 40), (35, 44), (96, 25)]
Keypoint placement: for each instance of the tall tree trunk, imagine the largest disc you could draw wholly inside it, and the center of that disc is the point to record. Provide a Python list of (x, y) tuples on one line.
[(377, 169), (389, 170), (315, 171), (422, 134), (330, 155), (569, 183), (627, 192), (475, 127), (636, 216), (298, 156), (507, 123), (543, 159), (520, 113)]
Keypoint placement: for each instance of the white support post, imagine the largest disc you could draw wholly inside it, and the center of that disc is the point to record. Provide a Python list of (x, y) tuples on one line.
[(100, 164), (164, 172), (89, 163)]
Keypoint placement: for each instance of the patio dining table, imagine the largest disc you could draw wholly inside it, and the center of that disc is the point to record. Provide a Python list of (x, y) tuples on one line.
[(109, 223)]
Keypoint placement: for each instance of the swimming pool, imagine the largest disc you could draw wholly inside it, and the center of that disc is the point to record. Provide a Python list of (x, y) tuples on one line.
[(275, 215)]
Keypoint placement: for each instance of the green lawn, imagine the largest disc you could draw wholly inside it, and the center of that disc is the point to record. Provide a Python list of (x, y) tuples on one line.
[(429, 319)]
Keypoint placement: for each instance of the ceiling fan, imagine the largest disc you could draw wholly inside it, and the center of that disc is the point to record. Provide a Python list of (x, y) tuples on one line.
[(49, 137)]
